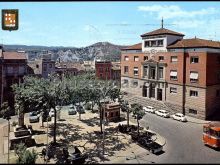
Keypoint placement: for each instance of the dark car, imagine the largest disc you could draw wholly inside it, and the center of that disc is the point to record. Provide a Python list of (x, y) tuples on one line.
[(33, 117), (150, 145), (80, 109)]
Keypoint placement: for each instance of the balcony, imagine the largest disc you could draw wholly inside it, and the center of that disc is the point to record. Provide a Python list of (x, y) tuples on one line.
[(14, 73)]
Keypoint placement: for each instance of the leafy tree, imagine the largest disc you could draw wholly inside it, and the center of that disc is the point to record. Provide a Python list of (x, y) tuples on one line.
[(137, 110), (125, 107), (5, 110), (25, 156)]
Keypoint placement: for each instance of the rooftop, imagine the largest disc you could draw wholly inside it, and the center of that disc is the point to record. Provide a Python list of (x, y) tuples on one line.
[(133, 47), (14, 56), (195, 43), (161, 31)]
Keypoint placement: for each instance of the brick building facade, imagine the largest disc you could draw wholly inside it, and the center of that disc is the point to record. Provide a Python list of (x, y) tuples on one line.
[(184, 74), (107, 70), (13, 68)]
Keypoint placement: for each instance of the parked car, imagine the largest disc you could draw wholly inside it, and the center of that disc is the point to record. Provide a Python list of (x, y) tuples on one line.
[(51, 113), (149, 109), (33, 117), (150, 145), (80, 109), (179, 116), (72, 111), (162, 113)]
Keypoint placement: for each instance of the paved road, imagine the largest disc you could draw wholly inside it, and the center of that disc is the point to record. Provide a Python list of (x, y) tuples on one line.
[(183, 141)]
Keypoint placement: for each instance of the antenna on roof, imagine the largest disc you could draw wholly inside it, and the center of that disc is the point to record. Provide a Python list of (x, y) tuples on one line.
[(162, 23)]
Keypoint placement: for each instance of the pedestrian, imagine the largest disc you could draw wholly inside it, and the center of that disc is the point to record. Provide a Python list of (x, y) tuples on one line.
[(44, 153)]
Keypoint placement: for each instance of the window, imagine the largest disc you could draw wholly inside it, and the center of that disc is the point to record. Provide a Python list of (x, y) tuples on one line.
[(50, 65), (10, 69), (194, 93), (37, 66), (218, 75), (174, 59), (161, 58), (194, 77), (160, 42), (218, 93), (21, 69), (136, 71), (135, 83), (173, 75), (45, 67), (101, 75), (160, 72), (125, 81), (111, 114), (153, 43), (173, 90), (146, 44), (100, 69), (145, 58), (194, 60), (193, 111), (125, 69), (145, 71), (136, 58), (218, 60), (126, 58), (152, 72)]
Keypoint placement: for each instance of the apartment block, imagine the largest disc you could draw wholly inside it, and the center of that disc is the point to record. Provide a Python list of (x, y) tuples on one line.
[(182, 73)]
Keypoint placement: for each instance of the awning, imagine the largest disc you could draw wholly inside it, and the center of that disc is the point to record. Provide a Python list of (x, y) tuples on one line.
[(173, 73), (194, 75)]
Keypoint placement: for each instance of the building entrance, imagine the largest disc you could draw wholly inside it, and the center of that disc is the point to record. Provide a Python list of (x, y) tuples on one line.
[(159, 94), (144, 94)]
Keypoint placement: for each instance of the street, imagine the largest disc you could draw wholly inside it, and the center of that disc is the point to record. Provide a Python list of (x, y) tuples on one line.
[(183, 141)]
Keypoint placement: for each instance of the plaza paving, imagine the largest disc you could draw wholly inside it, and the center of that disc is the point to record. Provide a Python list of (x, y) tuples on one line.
[(84, 133)]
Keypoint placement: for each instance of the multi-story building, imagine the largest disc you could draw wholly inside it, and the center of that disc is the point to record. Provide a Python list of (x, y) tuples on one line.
[(41, 67), (107, 70), (184, 74), (13, 69)]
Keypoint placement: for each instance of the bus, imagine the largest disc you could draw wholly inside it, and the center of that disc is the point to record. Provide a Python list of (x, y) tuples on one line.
[(211, 134)]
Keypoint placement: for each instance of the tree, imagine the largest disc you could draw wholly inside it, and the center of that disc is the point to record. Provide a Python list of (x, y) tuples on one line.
[(137, 110), (127, 109), (25, 156), (5, 110)]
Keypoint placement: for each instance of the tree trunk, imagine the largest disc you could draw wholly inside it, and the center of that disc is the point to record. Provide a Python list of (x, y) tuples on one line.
[(42, 119), (21, 119), (138, 127), (101, 116), (92, 106), (128, 117), (55, 126), (79, 111)]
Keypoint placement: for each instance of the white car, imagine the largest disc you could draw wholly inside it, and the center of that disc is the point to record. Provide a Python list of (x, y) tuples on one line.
[(51, 113), (179, 116), (149, 109), (162, 113)]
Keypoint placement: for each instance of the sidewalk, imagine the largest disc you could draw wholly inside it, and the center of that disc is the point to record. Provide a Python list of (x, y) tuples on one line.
[(197, 121)]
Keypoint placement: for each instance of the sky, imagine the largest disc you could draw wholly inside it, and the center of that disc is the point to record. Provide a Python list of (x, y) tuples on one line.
[(80, 24)]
